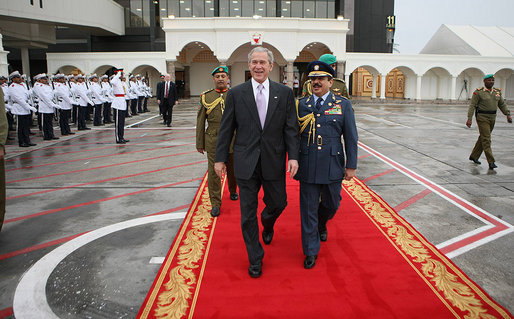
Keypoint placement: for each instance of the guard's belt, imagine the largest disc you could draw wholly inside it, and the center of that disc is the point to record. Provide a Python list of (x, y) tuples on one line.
[(119, 95), (486, 112)]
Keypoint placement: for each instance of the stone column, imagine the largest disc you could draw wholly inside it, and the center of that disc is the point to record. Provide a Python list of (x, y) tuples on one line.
[(383, 86), (374, 87), (170, 68), (453, 88), (4, 70), (25, 61), (290, 73), (418, 88)]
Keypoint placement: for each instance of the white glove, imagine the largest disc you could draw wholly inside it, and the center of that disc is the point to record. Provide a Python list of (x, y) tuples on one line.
[(57, 106), (33, 109)]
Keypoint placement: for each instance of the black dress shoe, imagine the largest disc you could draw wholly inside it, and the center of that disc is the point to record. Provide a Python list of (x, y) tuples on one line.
[(323, 235), (215, 211), (71, 133), (24, 145), (255, 271), (46, 138), (120, 142), (31, 144), (55, 138), (267, 236), (310, 262), (126, 141), (474, 160), (234, 196), (169, 125), (492, 165)]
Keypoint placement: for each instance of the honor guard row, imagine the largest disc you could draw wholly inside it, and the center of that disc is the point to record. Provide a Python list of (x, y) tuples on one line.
[(75, 97)]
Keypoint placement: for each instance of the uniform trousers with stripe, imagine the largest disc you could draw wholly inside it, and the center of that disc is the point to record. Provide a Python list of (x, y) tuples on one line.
[(107, 112), (81, 120), (98, 115), (64, 124), (119, 124), (24, 122)]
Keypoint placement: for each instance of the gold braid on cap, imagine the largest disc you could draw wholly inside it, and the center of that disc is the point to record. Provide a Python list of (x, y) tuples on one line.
[(211, 106), (304, 121)]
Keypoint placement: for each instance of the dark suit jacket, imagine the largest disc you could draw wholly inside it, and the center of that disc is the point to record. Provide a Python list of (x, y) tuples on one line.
[(279, 135), (160, 86), (172, 93)]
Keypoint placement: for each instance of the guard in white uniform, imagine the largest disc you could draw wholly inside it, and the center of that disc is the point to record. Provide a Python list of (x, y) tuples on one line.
[(108, 97), (81, 91), (47, 106), (8, 114), (19, 96), (97, 98), (140, 94), (133, 93), (119, 105), (64, 99)]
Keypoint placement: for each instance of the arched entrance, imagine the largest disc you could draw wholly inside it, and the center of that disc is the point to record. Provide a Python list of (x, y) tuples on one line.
[(311, 52), (69, 69), (193, 68), (149, 73)]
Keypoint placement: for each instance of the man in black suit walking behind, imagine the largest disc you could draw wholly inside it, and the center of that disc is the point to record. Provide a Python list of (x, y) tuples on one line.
[(167, 98), (263, 116)]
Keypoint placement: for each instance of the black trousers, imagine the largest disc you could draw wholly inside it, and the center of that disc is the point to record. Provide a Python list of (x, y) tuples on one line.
[(10, 121), (140, 104), (48, 127), (119, 126), (81, 121), (98, 115), (275, 199), (24, 122), (89, 112), (167, 111), (74, 114), (107, 112), (145, 104), (64, 124), (133, 106)]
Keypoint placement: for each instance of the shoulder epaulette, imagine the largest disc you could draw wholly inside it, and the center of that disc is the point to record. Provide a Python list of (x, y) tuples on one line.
[(480, 89), (204, 92)]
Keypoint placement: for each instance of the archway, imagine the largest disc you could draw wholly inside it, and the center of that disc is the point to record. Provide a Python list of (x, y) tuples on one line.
[(504, 79), (104, 69), (69, 69), (436, 84), (238, 64), (311, 52), (467, 81), (193, 68), (149, 73)]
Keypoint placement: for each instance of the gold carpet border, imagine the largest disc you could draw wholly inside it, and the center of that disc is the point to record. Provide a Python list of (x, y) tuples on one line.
[(452, 287), (191, 242)]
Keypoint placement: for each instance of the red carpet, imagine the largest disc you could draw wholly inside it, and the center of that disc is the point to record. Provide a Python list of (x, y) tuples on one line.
[(374, 265)]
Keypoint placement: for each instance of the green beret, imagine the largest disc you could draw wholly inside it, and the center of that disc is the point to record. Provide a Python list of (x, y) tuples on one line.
[(220, 69), (328, 58), (488, 76)]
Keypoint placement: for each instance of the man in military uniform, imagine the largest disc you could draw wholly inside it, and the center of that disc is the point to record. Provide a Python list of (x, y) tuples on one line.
[(338, 87), (212, 105), (484, 103), (323, 117)]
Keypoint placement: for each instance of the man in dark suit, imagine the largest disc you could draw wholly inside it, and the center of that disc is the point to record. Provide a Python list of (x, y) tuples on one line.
[(262, 114), (167, 99)]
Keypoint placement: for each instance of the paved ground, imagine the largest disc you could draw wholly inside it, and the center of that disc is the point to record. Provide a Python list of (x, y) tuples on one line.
[(86, 217)]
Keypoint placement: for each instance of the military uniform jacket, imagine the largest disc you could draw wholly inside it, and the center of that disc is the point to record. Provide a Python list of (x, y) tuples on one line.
[(45, 94), (19, 96), (63, 94), (322, 159), (212, 105), (486, 102), (338, 88)]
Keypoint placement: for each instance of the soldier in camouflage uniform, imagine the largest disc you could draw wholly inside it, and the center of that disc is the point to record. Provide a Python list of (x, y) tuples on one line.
[(484, 103), (338, 86), (212, 105)]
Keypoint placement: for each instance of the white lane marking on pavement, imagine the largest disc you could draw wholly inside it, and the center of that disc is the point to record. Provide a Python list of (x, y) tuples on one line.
[(157, 260), (142, 121), (386, 121), (30, 294), (446, 194), (464, 236)]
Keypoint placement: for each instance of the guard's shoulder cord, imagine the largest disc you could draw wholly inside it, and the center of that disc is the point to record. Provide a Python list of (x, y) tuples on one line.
[(211, 106), (304, 121)]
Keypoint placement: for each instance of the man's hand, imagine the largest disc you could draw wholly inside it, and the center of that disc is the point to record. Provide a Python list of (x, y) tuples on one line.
[(158, 101), (509, 119), (349, 174), (468, 123), (176, 102), (220, 168), (292, 168), (200, 150)]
